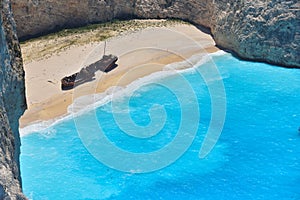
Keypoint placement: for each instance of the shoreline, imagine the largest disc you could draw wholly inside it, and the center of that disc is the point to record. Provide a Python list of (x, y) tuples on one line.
[(144, 52), (86, 103)]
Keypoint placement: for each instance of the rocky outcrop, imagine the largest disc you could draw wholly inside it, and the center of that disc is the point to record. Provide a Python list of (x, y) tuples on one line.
[(12, 105), (260, 30), (257, 30)]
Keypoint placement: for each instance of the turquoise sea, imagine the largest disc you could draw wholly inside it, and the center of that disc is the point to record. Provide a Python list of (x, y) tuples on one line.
[(257, 155)]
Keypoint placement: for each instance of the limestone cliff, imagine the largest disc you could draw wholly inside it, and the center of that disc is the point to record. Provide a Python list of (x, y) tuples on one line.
[(12, 105), (258, 30)]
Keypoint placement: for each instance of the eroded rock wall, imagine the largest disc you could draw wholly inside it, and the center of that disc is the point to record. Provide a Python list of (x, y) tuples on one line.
[(12, 105), (254, 29), (37, 17), (260, 30)]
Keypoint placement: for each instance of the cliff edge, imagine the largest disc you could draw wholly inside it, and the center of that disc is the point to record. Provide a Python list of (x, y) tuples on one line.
[(12, 105), (258, 30)]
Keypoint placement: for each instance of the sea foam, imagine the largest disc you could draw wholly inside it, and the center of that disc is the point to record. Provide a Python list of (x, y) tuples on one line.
[(87, 103)]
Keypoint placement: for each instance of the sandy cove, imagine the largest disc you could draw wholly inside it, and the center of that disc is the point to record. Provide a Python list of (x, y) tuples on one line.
[(140, 54)]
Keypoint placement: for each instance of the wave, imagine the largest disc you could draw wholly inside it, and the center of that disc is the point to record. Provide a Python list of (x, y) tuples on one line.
[(87, 103)]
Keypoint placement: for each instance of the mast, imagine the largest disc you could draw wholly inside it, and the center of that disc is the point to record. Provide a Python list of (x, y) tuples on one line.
[(104, 48)]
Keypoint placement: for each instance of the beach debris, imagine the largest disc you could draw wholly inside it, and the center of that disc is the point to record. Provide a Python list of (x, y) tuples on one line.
[(49, 81)]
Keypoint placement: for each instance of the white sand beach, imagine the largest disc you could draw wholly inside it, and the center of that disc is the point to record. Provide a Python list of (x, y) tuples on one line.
[(140, 53)]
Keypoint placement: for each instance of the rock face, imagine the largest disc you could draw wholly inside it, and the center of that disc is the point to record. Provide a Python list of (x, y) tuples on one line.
[(260, 30), (12, 105), (257, 30)]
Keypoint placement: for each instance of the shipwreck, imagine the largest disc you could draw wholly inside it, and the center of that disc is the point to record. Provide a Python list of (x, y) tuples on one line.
[(105, 64)]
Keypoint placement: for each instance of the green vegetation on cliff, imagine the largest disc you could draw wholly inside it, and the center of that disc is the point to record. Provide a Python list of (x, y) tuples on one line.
[(45, 46)]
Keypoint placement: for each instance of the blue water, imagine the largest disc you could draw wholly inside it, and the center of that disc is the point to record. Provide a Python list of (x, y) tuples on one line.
[(256, 157)]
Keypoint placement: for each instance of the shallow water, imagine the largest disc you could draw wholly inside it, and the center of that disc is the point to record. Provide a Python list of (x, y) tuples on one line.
[(256, 157)]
